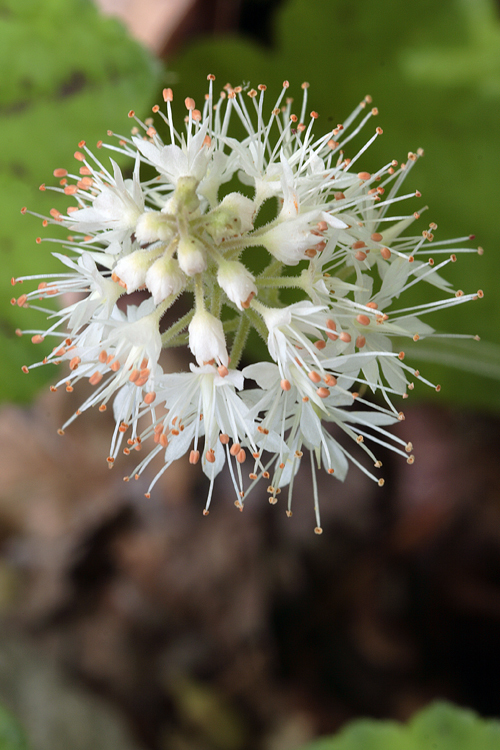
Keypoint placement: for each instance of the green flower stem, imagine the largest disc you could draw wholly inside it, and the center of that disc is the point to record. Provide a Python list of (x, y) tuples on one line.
[(273, 269), (257, 323), (216, 301), (279, 282), (163, 306), (199, 296), (182, 339), (230, 326), (240, 340), (175, 329)]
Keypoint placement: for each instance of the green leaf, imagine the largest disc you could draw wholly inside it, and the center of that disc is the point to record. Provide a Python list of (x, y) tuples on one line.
[(11, 735), (409, 66), (72, 74), (440, 726)]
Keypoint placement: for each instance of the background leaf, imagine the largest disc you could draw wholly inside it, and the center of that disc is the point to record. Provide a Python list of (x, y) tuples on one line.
[(440, 726), (72, 75), (393, 52), (11, 735)]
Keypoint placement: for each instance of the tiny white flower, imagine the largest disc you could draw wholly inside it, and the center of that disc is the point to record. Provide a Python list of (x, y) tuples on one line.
[(189, 160), (237, 282), (164, 277), (132, 269), (152, 226), (191, 255), (206, 338), (116, 207), (233, 216), (289, 239)]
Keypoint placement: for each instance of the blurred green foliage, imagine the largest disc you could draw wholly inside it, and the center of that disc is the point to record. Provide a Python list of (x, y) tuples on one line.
[(433, 70), (440, 726), (71, 75), (11, 735)]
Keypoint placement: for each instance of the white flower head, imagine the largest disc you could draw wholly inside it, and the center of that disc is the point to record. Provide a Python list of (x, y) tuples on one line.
[(136, 246)]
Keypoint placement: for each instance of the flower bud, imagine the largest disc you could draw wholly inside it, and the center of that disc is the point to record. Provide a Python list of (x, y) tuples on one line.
[(289, 239), (185, 194), (153, 226), (206, 338), (164, 278), (191, 256), (234, 215), (237, 282), (132, 269)]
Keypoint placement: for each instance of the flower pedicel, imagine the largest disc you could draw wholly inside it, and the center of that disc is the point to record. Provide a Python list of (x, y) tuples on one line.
[(188, 231)]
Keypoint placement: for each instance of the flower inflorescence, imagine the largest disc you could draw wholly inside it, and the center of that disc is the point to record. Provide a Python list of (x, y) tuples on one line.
[(194, 229)]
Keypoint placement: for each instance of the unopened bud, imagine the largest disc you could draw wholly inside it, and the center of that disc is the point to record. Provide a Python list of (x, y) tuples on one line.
[(237, 282)]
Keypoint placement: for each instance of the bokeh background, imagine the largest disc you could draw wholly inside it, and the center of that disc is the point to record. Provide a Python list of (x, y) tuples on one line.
[(140, 624)]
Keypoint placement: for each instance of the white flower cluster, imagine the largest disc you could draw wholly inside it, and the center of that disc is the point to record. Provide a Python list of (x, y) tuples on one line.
[(194, 228)]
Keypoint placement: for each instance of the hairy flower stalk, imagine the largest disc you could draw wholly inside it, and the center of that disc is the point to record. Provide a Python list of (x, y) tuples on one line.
[(195, 229)]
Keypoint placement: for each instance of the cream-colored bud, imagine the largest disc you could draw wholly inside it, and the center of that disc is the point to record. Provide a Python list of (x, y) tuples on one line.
[(206, 339), (185, 195), (237, 282), (234, 215), (132, 269), (153, 226), (164, 278), (191, 256)]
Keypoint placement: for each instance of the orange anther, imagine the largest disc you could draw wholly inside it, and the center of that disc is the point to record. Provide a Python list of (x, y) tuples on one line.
[(363, 320)]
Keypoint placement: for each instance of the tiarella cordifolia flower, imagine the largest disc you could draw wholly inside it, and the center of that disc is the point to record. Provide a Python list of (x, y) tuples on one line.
[(193, 227)]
